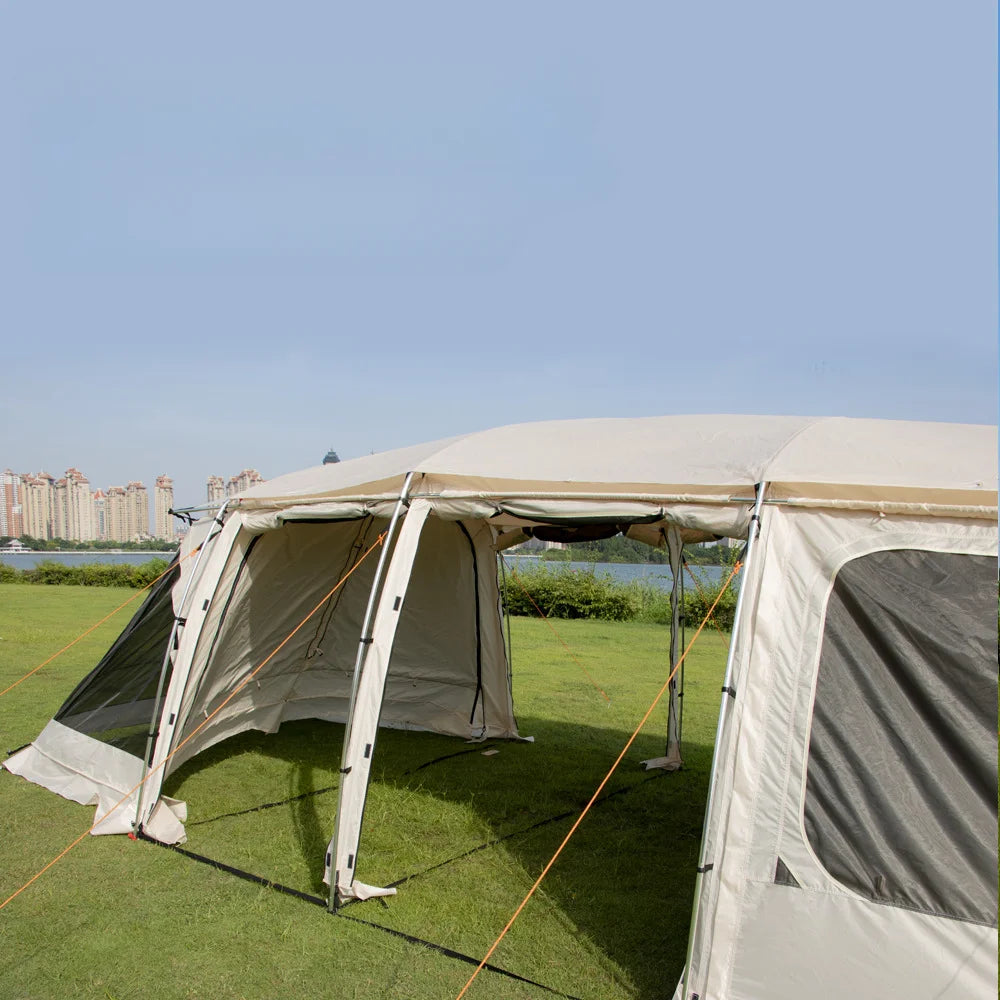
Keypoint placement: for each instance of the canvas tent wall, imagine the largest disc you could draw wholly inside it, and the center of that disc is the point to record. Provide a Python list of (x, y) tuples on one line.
[(861, 694)]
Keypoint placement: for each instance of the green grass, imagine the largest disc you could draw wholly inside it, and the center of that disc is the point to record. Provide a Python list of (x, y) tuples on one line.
[(123, 919)]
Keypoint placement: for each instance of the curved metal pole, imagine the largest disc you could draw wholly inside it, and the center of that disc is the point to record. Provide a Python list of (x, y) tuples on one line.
[(154, 722), (363, 644), (727, 696)]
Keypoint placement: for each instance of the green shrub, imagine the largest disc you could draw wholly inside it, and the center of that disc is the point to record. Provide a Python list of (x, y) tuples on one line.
[(654, 602), (145, 574), (569, 594), (697, 603), (49, 573), (87, 575), (584, 594)]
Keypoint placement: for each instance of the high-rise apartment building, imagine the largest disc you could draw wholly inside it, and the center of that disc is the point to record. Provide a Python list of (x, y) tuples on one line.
[(83, 506), (115, 515), (137, 511), (73, 507), (219, 488), (163, 501), (243, 481), (36, 504), (126, 513), (100, 515), (216, 489), (60, 514), (11, 521)]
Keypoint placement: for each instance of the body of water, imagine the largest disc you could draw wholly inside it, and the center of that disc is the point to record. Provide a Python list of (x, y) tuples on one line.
[(29, 560), (654, 574)]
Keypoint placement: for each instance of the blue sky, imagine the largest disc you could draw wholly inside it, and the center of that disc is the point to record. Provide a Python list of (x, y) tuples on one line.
[(237, 235)]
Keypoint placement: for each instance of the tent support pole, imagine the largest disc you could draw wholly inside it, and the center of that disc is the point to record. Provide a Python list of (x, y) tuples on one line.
[(671, 761), (154, 722), (506, 620), (675, 705), (683, 621), (727, 696), (359, 659)]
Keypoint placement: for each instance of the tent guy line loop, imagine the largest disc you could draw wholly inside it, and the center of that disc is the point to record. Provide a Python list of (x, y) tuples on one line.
[(649, 711), (194, 732), (544, 617), (96, 625)]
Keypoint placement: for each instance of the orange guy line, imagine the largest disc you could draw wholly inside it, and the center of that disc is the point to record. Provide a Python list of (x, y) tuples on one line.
[(600, 788)]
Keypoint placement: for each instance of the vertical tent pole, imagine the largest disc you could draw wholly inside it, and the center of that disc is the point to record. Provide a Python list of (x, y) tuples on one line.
[(672, 760), (727, 694), (683, 621), (675, 707), (506, 619), (365, 641), (154, 722)]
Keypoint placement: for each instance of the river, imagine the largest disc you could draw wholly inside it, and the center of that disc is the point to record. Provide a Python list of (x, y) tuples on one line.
[(28, 560), (654, 574)]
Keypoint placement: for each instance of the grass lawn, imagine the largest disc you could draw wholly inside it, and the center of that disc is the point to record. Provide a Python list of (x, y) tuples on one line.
[(469, 833)]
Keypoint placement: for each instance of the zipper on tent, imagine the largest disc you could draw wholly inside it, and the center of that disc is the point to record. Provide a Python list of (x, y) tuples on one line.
[(479, 642)]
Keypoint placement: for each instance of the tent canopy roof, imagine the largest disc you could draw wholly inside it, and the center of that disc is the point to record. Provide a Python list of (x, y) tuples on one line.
[(812, 459)]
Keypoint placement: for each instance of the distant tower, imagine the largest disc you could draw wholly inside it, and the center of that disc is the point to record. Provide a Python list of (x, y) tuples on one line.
[(100, 515), (331, 457), (36, 504), (163, 500), (216, 489), (115, 514), (136, 512), (11, 521), (239, 483)]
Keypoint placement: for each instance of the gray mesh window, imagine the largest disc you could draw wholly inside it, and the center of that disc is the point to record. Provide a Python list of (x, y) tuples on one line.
[(901, 789), (114, 702)]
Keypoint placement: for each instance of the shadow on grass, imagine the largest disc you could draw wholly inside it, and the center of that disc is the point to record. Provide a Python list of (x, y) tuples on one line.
[(625, 881), (309, 826)]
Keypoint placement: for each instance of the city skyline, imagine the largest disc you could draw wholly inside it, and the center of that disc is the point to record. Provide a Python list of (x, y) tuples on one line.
[(46, 507), (188, 491)]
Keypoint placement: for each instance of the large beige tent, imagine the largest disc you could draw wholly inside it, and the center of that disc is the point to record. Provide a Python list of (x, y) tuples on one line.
[(850, 839)]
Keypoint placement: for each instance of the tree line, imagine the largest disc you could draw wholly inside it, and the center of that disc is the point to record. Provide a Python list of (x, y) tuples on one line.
[(627, 550)]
